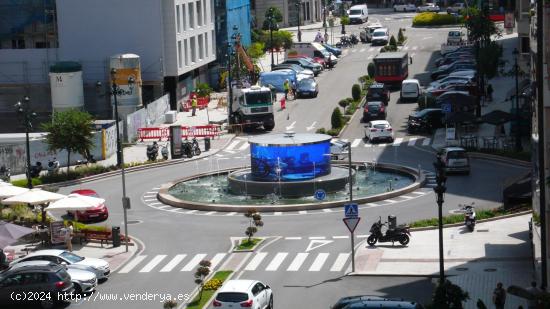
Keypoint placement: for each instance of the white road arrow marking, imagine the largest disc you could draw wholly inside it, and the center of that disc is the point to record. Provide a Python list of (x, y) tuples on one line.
[(315, 244), (312, 126), (291, 126)]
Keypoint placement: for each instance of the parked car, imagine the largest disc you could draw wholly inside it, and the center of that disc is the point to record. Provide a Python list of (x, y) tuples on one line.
[(450, 78), (300, 72), (380, 36), (51, 279), (455, 37), (307, 88), (374, 110), (315, 67), (244, 293), (458, 61), (99, 213), (426, 120), (378, 130), (442, 72), (378, 92), (466, 87), (404, 7), (366, 35), (84, 281), (370, 301), (454, 159), (428, 7), (358, 14), (332, 49), (447, 82), (456, 8), (460, 100), (318, 60), (98, 266), (410, 90)]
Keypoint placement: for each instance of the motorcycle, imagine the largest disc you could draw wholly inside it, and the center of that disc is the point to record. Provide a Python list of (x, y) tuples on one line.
[(344, 42), (469, 216), (164, 151), (86, 161), (195, 147), (5, 173), (353, 39), (399, 233), (152, 151), (187, 147), (53, 166), (36, 169)]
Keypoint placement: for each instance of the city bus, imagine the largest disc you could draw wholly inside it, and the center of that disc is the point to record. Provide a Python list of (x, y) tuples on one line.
[(391, 67)]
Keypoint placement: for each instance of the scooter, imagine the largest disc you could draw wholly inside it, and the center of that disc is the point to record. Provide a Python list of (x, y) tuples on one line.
[(195, 147), (152, 151), (36, 169), (53, 166), (5, 173), (187, 148), (469, 216), (353, 39), (164, 151), (399, 233)]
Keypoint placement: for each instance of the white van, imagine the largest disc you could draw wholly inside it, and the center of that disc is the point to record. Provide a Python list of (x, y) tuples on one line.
[(358, 14), (313, 49), (410, 89)]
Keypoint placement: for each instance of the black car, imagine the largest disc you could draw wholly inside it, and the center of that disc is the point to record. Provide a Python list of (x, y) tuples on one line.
[(315, 67), (364, 301), (378, 92), (50, 284), (453, 67), (374, 110), (425, 120), (307, 87)]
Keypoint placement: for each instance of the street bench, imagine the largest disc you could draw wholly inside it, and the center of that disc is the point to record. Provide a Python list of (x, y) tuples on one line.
[(101, 236)]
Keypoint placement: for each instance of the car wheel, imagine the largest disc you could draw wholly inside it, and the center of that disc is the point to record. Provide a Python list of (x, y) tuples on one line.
[(391, 139), (270, 306), (77, 289)]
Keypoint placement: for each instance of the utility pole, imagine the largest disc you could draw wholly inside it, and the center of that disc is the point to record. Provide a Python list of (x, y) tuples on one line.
[(440, 191), (518, 146)]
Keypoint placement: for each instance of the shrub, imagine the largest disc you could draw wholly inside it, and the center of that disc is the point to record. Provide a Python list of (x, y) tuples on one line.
[(333, 132), (321, 131), (336, 119), (356, 92), (256, 50), (435, 19), (393, 42), (343, 103), (371, 69), (344, 20), (388, 48), (213, 284), (203, 90), (449, 295), (23, 182), (401, 37)]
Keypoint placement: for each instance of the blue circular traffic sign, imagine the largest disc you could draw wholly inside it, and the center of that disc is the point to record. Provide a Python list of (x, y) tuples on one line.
[(320, 194)]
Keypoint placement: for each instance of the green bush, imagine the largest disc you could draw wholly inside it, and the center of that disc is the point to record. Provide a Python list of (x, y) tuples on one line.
[(343, 103), (435, 19), (23, 182), (371, 69), (281, 39), (333, 132), (388, 48), (344, 20), (321, 131), (393, 42), (336, 119), (203, 90), (401, 37), (256, 50), (356, 92)]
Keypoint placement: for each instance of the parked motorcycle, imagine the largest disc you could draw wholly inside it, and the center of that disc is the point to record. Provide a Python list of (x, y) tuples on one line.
[(353, 39), (152, 151), (195, 147), (53, 166), (36, 169), (5, 173), (393, 234), (344, 42), (164, 151), (469, 216), (187, 148)]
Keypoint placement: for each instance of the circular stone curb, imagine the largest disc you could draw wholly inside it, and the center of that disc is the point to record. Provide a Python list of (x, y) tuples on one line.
[(168, 199)]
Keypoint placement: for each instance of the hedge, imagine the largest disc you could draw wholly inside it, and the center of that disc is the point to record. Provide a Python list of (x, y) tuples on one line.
[(435, 19)]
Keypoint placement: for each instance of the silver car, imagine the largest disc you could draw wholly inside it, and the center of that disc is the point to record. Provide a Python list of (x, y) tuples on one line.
[(454, 159)]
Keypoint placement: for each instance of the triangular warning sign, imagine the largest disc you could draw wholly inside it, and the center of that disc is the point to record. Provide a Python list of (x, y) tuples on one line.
[(351, 223)]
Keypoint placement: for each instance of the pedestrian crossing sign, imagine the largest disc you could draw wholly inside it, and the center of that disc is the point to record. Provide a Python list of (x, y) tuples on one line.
[(351, 210)]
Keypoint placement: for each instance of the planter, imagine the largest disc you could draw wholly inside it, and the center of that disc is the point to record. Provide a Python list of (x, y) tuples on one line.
[(258, 242)]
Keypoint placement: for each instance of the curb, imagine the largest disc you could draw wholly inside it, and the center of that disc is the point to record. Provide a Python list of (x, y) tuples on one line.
[(363, 101), (256, 246), (486, 156), (141, 248)]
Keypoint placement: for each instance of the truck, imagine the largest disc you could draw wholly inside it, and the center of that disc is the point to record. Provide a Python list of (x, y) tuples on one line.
[(312, 49), (253, 107)]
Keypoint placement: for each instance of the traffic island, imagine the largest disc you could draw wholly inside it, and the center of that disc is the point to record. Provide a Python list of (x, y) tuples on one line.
[(247, 245)]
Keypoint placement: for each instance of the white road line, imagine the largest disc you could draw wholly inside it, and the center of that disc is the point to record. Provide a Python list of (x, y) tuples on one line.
[(319, 262), (232, 145), (277, 261), (243, 147), (194, 262), (426, 142), (317, 237), (151, 192), (415, 47), (256, 260), (150, 199), (406, 197), (133, 263), (418, 193), (370, 57), (368, 144), (154, 203), (373, 204), (155, 189), (173, 263), (345, 140), (371, 49), (231, 214), (405, 47), (397, 141), (340, 237), (297, 262), (179, 210), (293, 238), (210, 213), (354, 50), (302, 212), (362, 236), (154, 262), (191, 212), (355, 142), (412, 141), (327, 210), (340, 262), (229, 151), (390, 201), (278, 213), (216, 260), (164, 207)]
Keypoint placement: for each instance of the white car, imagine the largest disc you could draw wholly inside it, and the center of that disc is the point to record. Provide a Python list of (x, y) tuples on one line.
[(410, 89), (378, 130), (404, 7), (84, 281), (454, 159), (428, 7), (380, 36), (73, 261), (244, 293)]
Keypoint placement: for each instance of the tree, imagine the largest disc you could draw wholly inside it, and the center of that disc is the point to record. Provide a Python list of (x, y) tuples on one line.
[(272, 14), (201, 273), (393, 42), (256, 50), (255, 221), (203, 90), (70, 130), (371, 69), (356, 92), (400, 36), (449, 296), (336, 119)]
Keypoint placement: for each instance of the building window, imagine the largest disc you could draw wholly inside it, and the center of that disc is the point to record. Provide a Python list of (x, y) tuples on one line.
[(525, 45), (180, 59), (199, 13), (213, 38), (204, 11), (206, 55), (193, 50), (201, 46), (186, 52), (212, 12), (184, 17), (191, 15), (178, 18)]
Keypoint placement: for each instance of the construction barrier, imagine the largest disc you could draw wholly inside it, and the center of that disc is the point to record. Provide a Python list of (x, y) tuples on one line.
[(163, 133), (202, 102)]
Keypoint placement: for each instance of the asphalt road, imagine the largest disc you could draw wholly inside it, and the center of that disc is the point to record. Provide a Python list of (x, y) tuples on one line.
[(308, 253)]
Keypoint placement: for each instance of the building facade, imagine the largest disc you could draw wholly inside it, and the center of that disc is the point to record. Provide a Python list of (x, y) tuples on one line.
[(231, 16), (310, 11)]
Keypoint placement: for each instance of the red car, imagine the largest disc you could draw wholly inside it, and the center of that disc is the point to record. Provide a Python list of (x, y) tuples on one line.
[(318, 60), (99, 213)]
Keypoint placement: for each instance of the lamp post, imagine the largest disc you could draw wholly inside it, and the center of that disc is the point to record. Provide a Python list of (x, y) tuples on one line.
[(440, 191), (325, 15), (271, 21), (518, 146), (27, 116), (299, 6), (348, 145), (120, 156), (342, 15), (229, 88)]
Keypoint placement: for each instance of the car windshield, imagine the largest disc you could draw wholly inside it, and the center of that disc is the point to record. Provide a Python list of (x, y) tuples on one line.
[(231, 297), (381, 126), (71, 257), (355, 12), (379, 33), (376, 92), (456, 155), (258, 98), (374, 107), (306, 81)]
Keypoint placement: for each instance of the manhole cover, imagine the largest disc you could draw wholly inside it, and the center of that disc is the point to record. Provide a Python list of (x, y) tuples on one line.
[(462, 268), (490, 270), (134, 222)]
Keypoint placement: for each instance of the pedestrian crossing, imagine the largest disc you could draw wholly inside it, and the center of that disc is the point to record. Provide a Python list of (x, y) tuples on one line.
[(240, 145), (260, 261), (376, 49)]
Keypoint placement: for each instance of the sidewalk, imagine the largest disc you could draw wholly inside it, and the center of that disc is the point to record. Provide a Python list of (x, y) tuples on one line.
[(497, 251)]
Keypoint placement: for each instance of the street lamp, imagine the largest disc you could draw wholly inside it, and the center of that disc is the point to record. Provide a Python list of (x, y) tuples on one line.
[(120, 156), (228, 82), (325, 16), (236, 37), (299, 6), (272, 25), (440, 191), (342, 15), (518, 146), (25, 114)]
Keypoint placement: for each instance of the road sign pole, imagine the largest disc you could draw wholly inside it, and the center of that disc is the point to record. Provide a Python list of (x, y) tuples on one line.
[(351, 223), (352, 252)]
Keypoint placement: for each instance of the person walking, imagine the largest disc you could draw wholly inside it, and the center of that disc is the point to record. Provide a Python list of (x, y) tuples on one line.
[(329, 62), (68, 235), (499, 296), (286, 88), (193, 105), (533, 289)]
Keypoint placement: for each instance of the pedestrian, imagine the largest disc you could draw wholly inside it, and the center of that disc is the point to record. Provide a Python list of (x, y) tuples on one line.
[(533, 289), (489, 93), (499, 296), (68, 233), (326, 37), (286, 88), (318, 36), (329, 62), (194, 105)]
